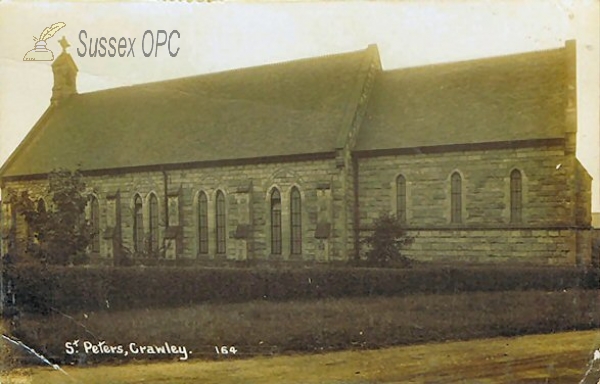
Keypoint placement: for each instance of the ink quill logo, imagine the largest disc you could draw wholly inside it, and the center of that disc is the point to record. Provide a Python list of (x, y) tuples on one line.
[(40, 52)]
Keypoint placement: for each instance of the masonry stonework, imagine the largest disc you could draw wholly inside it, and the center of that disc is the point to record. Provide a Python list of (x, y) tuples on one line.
[(548, 232), (246, 188)]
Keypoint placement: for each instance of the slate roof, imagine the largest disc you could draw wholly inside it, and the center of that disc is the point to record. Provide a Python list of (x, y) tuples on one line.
[(298, 108), (515, 97), (289, 108)]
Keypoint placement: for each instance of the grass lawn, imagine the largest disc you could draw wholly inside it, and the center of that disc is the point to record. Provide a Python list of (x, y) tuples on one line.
[(262, 328), (554, 358)]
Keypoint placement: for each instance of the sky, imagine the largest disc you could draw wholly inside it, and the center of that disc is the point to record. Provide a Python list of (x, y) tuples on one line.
[(221, 35)]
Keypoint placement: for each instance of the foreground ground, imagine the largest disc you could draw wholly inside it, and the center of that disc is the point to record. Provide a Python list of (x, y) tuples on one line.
[(555, 358), (272, 328)]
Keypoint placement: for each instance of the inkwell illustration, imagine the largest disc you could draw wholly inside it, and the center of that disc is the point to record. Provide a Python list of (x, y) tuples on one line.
[(40, 52)]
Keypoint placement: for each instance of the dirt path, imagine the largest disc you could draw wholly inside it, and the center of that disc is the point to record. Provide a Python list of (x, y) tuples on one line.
[(558, 358)]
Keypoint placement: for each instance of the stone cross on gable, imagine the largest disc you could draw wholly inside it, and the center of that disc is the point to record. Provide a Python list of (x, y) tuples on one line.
[(64, 44)]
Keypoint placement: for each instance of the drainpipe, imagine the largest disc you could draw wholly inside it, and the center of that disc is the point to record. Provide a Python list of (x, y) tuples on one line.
[(356, 207), (166, 196)]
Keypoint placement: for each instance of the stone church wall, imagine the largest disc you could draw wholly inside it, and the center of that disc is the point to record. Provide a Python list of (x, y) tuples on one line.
[(13, 227), (555, 213), (247, 190), (547, 232)]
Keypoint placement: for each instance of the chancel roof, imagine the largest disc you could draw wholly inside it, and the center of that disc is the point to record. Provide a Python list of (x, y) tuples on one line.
[(509, 98)]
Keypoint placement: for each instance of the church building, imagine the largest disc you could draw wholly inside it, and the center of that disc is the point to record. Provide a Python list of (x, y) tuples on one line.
[(294, 161)]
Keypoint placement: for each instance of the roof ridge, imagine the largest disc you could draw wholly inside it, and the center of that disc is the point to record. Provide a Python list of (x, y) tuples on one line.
[(280, 63), (488, 59), (230, 71)]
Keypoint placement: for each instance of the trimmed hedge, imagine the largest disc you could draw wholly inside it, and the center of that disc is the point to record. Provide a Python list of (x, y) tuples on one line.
[(40, 289)]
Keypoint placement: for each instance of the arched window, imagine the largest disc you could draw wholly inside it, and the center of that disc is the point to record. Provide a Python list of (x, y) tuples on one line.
[(516, 196), (40, 209), (456, 198), (220, 223), (6, 216), (41, 206), (153, 228), (7, 221), (202, 223), (95, 221), (275, 222), (401, 198), (138, 224), (296, 221)]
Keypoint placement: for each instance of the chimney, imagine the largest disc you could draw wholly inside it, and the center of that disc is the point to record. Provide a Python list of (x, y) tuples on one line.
[(65, 75)]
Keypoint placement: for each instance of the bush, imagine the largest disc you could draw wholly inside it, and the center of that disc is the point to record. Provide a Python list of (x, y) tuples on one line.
[(387, 241), (41, 289), (59, 235)]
